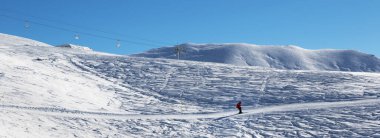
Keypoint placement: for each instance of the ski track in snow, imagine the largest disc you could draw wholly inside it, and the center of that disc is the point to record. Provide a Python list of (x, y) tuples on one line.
[(166, 81), (219, 115)]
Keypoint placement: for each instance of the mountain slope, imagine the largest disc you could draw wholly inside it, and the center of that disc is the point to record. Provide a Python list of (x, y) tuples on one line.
[(280, 57), (65, 92), (9, 40)]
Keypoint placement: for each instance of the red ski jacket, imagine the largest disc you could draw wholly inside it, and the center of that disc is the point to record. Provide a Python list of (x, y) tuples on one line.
[(238, 105)]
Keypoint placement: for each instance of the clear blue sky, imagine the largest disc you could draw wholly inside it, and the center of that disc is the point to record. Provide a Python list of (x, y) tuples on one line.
[(311, 24)]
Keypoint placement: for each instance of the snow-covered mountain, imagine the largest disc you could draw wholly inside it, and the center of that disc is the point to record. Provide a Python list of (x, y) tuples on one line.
[(280, 57), (62, 92), (11, 40)]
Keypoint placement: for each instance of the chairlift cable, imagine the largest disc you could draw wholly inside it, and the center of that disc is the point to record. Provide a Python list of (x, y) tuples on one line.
[(88, 28), (80, 32)]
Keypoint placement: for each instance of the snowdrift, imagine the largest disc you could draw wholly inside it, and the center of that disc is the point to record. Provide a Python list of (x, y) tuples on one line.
[(280, 57)]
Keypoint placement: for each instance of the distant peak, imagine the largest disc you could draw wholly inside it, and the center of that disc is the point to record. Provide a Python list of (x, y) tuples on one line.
[(275, 56)]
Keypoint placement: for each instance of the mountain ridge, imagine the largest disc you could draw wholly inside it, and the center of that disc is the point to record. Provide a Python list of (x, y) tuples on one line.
[(281, 57)]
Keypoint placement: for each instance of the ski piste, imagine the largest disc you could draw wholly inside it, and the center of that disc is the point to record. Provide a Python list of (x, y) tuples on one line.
[(217, 116)]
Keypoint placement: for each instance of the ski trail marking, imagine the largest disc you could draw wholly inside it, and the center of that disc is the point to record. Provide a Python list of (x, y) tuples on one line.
[(61, 112)]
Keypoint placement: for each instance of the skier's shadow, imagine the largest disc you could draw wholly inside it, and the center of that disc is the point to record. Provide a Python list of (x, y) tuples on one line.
[(220, 118)]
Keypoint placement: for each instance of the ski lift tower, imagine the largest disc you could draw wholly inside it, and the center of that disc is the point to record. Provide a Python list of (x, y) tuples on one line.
[(26, 25), (179, 49)]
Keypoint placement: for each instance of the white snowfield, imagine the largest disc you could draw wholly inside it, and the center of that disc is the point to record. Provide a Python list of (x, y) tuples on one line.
[(280, 57), (48, 91)]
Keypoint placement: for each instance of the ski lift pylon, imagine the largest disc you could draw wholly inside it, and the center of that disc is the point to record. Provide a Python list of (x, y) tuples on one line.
[(26, 24), (118, 44), (76, 36)]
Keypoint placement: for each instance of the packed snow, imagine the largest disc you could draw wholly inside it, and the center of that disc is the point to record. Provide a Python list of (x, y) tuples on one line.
[(59, 92), (280, 57)]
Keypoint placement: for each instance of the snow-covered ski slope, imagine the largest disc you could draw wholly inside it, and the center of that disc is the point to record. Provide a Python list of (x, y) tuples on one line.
[(60, 92), (280, 57)]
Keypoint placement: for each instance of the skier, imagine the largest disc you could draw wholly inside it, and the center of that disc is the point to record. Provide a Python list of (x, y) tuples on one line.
[(238, 106)]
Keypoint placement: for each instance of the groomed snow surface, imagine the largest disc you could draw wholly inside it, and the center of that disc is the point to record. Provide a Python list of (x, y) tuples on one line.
[(50, 91)]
